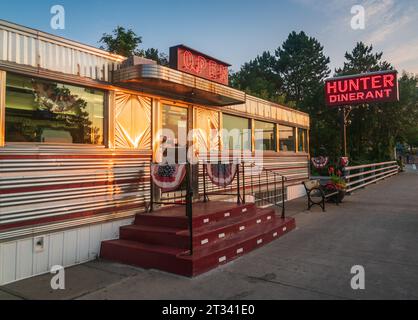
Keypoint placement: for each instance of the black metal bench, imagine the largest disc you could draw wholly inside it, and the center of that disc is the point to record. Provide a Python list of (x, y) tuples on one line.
[(315, 190)]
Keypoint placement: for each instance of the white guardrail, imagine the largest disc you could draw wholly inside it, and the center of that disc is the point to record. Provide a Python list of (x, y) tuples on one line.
[(358, 177)]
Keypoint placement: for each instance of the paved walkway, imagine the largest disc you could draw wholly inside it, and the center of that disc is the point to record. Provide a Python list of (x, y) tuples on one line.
[(376, 227)]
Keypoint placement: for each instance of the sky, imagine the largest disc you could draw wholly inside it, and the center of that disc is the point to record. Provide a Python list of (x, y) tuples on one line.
[(235, 31)]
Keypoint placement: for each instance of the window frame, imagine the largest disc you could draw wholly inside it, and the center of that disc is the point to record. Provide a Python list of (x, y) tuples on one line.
[(294, 138), (275, 131), (250, 128), (106, 113)]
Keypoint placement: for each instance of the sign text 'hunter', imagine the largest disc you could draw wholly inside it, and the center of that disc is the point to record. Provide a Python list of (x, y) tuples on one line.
[(364, 88)]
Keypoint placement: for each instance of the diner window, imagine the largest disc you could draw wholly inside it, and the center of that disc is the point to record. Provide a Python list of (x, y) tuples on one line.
[(51, 112), (302, 140), (265, 136), (175, 120), (287, 138), (236, 133)]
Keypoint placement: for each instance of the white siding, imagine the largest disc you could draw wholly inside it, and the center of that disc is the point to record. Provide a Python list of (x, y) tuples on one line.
[(296, 191), (36, 49), (18, 260)]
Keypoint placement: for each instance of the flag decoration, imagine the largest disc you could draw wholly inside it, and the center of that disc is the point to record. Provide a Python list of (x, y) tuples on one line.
[(168, 177), (320, 162), (222, 174)]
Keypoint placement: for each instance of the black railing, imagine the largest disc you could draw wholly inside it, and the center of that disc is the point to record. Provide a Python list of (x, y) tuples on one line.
[(266, 186), (182, 196), (230, 189)]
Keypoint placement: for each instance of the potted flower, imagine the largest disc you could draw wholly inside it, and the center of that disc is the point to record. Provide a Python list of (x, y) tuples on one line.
[(336, 183)]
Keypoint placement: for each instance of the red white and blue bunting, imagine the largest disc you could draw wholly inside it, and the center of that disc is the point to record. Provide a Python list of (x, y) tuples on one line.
[(168, 177), (222, 174), (320, 162)]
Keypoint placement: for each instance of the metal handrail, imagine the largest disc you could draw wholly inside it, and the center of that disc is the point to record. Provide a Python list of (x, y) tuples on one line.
[(267, 199), (367, 177)]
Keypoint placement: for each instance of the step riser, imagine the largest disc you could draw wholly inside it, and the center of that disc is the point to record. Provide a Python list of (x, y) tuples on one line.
[(202, 220), (145, 259), (171, 240), (181, 265), (226, 232), (224, 215), (148, 220), (201, 240), (220, 258)]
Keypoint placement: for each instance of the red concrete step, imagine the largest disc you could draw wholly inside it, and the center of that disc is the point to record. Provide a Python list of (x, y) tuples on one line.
[(202, 236), (223, 229), (173, 237), (203, 214), (210, 257), (147, 256), (177, 260)]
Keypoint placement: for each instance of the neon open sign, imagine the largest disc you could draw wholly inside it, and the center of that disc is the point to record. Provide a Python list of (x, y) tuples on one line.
[(363, 88), (191, 61)]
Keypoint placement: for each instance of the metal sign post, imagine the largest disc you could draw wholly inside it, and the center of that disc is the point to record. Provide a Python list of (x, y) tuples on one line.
[(344, 114)]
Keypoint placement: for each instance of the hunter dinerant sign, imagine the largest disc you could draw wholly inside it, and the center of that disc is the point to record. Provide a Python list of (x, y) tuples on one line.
[(188, 60), (363, 88)]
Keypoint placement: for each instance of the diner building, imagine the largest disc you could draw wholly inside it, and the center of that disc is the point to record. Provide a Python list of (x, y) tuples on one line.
[(79, 129)]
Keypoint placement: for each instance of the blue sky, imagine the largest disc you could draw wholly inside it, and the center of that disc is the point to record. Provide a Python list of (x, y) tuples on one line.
[(235, 30)]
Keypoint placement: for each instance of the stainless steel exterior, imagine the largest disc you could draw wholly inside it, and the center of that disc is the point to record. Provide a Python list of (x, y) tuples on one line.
[(46, 188), (25, 46)]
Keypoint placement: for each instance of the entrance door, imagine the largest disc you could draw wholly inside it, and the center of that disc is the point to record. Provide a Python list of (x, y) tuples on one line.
[(174, 124)]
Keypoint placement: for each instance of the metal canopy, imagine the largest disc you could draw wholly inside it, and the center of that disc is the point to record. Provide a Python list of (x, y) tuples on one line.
[(175, 84)]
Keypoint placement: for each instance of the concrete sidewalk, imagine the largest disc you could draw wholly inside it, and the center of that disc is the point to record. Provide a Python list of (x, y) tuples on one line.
[(376, 227)]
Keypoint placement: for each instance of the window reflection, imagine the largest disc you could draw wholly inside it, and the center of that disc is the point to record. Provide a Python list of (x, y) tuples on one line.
[(265, 136), (287, 138), (50, 112), (236, 133)]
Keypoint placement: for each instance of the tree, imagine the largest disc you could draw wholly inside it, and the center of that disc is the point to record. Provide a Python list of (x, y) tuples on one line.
[(121, 41), (377, 127), (259, 78), (303, 67), (155, 55), (126, 42)]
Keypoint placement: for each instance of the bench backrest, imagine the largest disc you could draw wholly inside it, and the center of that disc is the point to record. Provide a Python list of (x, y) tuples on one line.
[(311, 184)]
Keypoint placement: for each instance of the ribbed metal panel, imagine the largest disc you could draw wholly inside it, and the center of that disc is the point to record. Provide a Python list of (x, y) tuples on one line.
[(157, 72), (29, 47), (45, 182), (267, 110)]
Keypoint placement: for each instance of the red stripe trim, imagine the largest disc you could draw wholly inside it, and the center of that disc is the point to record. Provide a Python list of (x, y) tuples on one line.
[(104, 156), (73, 185), (71, 216)]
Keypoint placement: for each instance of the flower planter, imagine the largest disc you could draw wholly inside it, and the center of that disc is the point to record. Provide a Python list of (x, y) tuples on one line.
[(338, 197)]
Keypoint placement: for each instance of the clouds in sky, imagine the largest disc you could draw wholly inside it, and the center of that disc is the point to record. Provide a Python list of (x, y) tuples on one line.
[(391, 26)]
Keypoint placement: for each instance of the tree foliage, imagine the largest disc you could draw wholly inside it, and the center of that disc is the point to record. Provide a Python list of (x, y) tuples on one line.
[(375, 128), (295, 75), (126, 42), (121, 41)]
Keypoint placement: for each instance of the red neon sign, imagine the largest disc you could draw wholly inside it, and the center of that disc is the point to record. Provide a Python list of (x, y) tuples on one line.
[(191, 61), (359, 89)]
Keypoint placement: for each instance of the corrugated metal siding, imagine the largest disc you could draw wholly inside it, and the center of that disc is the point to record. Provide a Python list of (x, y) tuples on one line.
[(31, 48), (56, 183), (294, 168), (268, 110)]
